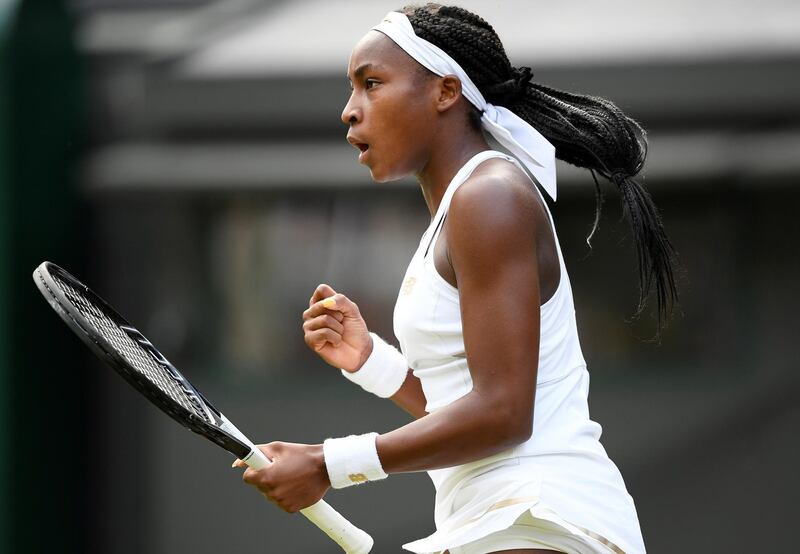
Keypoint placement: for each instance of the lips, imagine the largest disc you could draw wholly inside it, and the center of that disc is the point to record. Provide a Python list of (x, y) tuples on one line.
[(359, 143)]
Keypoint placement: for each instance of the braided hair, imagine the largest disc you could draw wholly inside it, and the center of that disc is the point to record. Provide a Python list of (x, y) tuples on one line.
[(587, 132)]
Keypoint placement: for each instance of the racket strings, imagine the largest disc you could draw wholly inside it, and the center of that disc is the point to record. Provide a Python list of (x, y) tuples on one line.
[(138, 358)]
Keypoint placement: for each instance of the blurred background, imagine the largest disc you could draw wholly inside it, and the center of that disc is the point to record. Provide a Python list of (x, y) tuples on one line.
[(186, 159)]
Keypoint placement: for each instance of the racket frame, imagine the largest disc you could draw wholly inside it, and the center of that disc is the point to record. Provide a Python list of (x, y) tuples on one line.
[(223, 433)]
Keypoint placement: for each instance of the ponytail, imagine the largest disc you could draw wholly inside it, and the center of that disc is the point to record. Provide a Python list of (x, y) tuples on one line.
[(595, 134)]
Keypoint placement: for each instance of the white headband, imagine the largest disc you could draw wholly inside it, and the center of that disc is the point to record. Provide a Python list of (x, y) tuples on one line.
[(517, 135)]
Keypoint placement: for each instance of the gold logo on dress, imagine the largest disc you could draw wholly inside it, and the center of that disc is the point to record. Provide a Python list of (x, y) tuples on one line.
[(408, 285), (357, 477)]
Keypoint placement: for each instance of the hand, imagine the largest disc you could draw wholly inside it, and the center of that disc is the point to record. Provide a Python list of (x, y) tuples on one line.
[(335, 330), (296, 479)]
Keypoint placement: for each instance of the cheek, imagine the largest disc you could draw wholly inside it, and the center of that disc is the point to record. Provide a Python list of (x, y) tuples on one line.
[(405, 133)]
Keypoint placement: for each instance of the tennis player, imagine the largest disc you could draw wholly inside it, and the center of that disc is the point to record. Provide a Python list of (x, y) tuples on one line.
[(490, 364)]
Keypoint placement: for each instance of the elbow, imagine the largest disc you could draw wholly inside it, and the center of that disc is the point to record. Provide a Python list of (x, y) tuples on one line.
[(513, 425), (522, 431)]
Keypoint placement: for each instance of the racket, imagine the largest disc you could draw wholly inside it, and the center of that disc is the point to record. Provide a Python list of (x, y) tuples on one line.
[(121, 346)]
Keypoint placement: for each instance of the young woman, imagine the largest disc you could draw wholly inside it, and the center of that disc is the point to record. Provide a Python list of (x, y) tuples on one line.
[(491, 366)]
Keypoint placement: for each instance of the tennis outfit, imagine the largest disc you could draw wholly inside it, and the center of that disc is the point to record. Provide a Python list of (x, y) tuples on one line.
[(558, 490)]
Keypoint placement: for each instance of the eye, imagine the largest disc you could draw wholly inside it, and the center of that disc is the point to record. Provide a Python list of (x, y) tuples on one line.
[(370, 83)]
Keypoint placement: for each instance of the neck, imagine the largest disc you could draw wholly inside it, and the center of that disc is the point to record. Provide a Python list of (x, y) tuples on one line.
[(444, 163)]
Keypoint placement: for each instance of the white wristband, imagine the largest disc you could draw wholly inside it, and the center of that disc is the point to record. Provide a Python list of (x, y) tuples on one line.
[(384, 371), (352, 460)]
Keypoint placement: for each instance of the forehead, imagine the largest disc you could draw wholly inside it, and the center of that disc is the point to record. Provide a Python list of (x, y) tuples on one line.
[(377, 49)]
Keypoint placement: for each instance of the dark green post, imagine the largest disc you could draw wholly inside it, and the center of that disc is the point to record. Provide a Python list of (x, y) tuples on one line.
[(7, 12), (43, 376)]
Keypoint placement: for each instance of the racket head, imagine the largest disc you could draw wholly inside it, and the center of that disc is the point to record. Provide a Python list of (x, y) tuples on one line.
[(121, 346)]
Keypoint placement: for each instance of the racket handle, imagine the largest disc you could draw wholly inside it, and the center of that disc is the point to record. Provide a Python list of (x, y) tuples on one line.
[(352, 539)]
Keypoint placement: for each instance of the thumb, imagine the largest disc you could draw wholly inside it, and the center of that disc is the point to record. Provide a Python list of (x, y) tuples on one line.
[(322, 291), (340, 303)]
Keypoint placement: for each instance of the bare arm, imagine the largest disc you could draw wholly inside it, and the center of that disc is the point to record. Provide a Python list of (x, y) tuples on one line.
[(492, 247)]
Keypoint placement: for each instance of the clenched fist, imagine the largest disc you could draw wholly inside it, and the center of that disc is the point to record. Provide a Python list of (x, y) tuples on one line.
[(334, 329)]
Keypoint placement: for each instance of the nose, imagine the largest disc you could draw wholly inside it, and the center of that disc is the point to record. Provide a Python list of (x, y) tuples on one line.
[(351, 112)]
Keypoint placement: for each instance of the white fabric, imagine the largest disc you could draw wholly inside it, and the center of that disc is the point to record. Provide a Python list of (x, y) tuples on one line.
[(427, 318), (384, 371), (546, 532), (562, 468), (352, 460), (521, 139)]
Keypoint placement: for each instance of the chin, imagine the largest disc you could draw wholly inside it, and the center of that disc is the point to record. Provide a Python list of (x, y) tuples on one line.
[(380, 178), (384, 176)]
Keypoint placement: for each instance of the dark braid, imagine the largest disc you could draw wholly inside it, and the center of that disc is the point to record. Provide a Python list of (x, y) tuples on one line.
[(587, 131)]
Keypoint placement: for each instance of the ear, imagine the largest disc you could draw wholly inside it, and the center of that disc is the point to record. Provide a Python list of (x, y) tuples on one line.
[(448, 92)]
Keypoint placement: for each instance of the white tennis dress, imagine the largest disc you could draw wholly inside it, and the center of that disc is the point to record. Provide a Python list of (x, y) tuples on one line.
[(558, 489)]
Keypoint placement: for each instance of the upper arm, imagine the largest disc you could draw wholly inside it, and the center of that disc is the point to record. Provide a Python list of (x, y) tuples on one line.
[(491, 242)]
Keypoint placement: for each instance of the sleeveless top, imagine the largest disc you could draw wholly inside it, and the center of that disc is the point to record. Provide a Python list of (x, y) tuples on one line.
[(562, 472)]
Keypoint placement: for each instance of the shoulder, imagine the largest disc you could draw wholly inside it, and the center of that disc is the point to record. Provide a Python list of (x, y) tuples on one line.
[(496, 201), (492, 226)]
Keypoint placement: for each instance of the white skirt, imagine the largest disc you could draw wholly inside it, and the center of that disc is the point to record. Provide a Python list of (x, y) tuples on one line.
[(570, 497), (547, 532), (500, 508)]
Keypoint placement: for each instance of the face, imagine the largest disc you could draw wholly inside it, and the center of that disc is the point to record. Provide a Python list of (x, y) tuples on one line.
[(392, 108)]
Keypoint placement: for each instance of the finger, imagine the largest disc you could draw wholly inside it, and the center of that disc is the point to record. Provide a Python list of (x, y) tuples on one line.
[(238, 463), (322, 322), (318, 309), (260, 478), (250, 476), (322, 291), (317, 340)]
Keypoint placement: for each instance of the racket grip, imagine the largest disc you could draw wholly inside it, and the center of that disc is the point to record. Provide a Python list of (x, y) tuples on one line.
[(352, 539)]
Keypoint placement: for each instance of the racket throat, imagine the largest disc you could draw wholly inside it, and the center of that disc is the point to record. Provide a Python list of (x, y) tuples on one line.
[(231, 430)]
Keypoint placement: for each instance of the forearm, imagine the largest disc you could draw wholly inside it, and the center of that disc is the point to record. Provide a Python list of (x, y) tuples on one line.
[(469, 429), (410, 396)]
